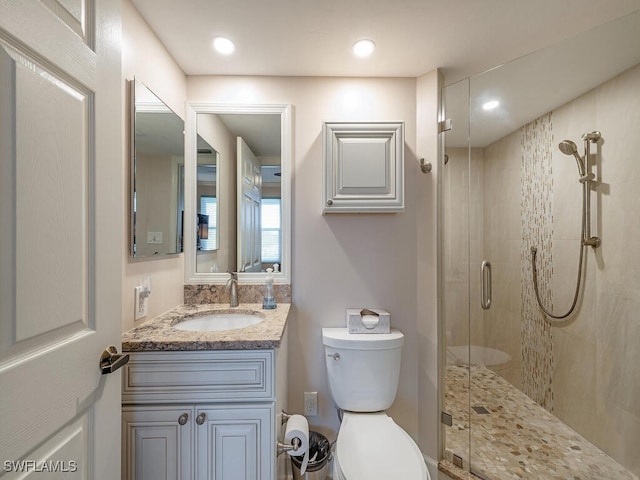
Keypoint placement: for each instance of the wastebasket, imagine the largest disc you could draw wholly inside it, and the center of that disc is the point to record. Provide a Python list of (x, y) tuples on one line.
[(319, 457)]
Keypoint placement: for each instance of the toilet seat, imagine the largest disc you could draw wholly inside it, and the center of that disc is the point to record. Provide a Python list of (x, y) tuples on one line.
[(372, 446)]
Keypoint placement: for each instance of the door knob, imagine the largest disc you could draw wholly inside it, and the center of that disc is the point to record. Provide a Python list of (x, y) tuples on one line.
[(111, 360), (200, 419)]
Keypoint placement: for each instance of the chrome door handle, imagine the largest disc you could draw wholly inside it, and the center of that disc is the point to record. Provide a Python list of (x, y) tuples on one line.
[(111, 360), (485, 285)]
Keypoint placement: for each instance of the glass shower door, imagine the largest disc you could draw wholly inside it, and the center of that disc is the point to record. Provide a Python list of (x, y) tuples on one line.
[(495, 280), (526, 396), (457, 276)]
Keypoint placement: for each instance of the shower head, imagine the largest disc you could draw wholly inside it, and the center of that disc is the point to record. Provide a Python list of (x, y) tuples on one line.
[(569, 148)]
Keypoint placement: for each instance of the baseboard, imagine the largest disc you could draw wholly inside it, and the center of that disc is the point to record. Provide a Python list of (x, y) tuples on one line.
[(432, 466)]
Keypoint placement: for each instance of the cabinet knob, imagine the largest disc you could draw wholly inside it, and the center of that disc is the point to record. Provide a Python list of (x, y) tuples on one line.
[(329, 202), (182, 419), (200, 419)]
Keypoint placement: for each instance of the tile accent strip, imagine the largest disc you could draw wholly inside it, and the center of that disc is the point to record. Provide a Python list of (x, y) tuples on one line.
[(537, 230)]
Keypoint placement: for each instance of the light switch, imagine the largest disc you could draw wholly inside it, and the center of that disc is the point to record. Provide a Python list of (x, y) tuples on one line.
[(154, 238)]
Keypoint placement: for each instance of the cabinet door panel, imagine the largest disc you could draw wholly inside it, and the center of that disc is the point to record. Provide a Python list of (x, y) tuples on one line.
[(233, 443), (154, 443), (363, 167)]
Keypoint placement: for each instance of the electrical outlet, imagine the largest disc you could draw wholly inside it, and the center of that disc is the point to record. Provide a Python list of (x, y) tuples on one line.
[(140, 302), (310, 404)]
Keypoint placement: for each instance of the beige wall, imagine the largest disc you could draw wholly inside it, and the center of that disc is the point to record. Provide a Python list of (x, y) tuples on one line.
[(144, 57), (597, 379), (351, 260)]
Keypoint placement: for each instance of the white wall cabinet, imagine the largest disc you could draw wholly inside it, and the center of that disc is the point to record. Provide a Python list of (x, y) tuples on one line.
[(202, 415), (363, 167)]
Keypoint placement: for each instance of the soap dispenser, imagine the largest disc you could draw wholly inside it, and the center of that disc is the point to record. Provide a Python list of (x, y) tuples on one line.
[(269, 301)]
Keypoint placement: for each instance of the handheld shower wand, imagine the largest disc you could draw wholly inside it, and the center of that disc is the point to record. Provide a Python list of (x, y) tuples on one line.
[(586, 177), (570, 148)]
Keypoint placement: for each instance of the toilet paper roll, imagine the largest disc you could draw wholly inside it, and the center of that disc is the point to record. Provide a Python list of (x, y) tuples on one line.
[(298, 427)]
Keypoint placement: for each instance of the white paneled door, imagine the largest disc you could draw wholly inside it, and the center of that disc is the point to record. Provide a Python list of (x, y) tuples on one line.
[(61, 231)]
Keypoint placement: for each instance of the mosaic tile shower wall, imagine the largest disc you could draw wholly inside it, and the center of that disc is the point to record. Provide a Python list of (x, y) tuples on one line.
[(537, 230)]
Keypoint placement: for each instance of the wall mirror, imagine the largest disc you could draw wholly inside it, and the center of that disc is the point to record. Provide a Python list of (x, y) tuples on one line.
[(157, 171), (238, 192)]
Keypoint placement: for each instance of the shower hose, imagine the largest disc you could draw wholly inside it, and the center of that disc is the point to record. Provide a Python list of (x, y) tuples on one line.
[(534, 252)]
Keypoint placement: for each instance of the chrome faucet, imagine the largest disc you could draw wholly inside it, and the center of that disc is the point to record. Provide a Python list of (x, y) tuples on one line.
[(232, 287)]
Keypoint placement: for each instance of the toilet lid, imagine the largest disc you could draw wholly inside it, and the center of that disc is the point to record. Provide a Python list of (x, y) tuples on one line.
[(373, 446)]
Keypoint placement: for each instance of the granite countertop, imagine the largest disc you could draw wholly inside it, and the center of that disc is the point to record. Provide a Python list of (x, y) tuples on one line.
[(158, 333)]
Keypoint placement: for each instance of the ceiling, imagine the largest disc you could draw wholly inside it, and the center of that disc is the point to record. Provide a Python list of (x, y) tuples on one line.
[(260, 131), (314, 38)]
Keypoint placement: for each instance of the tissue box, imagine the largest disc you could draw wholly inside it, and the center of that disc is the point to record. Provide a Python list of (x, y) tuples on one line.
[(368, 320)]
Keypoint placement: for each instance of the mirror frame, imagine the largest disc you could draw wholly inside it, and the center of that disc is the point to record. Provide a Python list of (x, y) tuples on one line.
[(192, 276)]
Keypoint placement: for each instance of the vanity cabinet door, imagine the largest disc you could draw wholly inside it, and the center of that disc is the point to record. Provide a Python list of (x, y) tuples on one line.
[(157, 442), (234, 442)]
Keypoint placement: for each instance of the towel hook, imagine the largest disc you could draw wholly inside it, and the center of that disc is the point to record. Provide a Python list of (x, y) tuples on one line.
[(425, 166)]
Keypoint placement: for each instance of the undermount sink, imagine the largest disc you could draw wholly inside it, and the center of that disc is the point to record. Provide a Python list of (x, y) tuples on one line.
[(219, 321)]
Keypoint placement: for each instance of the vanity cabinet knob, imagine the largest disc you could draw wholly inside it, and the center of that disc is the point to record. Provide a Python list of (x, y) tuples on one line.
[(329, 202), (182, 419), (200, 419)]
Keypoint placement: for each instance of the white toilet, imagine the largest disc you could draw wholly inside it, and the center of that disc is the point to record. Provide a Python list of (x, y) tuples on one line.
[(363, 372)]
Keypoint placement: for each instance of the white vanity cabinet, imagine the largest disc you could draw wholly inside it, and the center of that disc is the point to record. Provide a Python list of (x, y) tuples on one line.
[(196, 415)]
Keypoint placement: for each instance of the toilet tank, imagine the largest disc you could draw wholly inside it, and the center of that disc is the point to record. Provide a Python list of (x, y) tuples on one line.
[(363, 369)]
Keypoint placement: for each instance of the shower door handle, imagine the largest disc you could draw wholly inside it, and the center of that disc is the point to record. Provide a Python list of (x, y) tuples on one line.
[(485, 285)]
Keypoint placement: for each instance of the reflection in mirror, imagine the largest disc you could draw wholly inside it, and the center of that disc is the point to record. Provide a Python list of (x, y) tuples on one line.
[(250, 199), (207, 205), (250, 203), (157, 164)]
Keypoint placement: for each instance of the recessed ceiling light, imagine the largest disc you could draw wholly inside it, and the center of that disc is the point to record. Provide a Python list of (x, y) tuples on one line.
[(363, 48), (491, 105), (223, 45)]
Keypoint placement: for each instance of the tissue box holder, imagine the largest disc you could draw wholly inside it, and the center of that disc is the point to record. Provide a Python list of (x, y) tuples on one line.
[(363, 320)]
